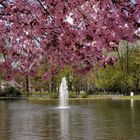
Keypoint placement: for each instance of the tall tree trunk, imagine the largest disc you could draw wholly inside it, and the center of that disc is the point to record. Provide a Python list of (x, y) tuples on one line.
[(53, 85), (27, 85), (128, 89), (127, 58)]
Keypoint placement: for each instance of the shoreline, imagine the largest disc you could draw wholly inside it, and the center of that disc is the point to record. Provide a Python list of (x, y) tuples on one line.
[(91, 97), (12, 98)]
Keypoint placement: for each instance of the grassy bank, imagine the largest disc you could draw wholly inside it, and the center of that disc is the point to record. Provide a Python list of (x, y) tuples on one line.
[(90, 97), (40, 98), (137, 97), (12, 98)]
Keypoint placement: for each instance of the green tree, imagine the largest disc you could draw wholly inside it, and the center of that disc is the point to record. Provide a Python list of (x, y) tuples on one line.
[(124, 76)]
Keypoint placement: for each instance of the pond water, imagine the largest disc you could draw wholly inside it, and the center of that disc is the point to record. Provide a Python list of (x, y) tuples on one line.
[(85, 120)]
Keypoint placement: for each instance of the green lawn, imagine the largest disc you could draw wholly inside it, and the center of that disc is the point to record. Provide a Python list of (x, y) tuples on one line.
[(137, 97), (91, 97)]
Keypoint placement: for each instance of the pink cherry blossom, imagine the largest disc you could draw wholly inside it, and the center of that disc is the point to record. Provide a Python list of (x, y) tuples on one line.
[(70, 32)]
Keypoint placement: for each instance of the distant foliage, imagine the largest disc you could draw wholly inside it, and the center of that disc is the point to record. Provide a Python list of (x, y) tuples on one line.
[(83, 94), (53, 95), (72, 94), (39, 94), (124, 76)]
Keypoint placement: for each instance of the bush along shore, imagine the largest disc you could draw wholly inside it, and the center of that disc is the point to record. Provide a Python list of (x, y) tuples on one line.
[(72, 96), (82, 95), (13, 93), (10, 93)]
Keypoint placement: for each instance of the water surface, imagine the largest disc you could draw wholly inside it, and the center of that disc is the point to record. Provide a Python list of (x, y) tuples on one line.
[(85, 120)]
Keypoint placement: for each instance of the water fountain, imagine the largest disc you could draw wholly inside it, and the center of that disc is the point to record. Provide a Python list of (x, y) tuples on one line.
[(63, 94)]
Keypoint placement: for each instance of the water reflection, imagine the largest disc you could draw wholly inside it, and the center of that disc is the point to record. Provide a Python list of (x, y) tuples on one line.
[(85, 120), (64, 124), (4, 121), (132, 103)]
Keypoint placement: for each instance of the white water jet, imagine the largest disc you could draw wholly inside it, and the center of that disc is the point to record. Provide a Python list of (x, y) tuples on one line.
[(63, 94)]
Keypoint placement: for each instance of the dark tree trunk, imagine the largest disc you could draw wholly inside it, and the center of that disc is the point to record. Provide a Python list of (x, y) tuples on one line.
[(27, 85)]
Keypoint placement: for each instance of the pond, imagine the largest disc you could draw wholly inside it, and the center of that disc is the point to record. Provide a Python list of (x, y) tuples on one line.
[(84, 120)]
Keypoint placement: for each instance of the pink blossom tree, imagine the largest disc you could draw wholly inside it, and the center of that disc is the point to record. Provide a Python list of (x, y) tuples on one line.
[(68, 32)]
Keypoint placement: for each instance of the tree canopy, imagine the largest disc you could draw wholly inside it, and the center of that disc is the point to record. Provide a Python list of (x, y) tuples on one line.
[(74, 32)]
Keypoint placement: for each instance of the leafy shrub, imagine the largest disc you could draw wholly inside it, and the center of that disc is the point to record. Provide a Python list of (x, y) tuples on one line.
[(10, 92), (2, 94), (83, 94), (72, 94), (53, 95), (40, 94)]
